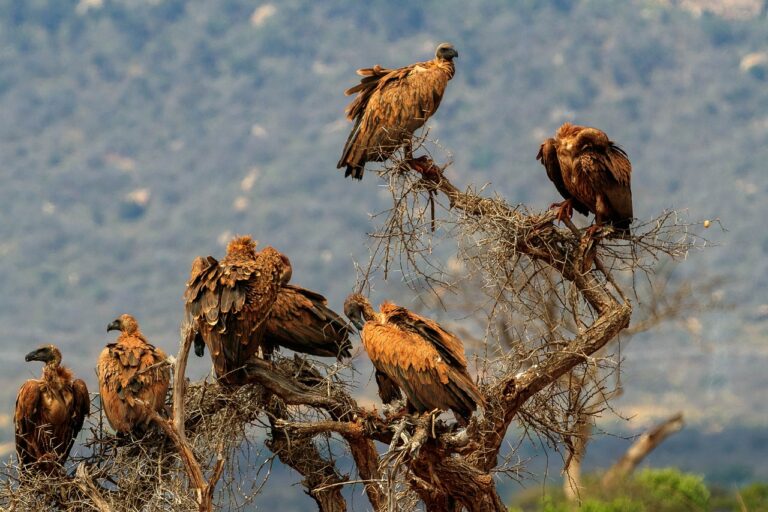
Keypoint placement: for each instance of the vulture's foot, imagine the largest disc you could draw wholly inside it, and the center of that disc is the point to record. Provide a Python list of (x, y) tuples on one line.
[(564, 210), (425, 428), (395, 410), (400, 433), (595, 231), (426, 167)]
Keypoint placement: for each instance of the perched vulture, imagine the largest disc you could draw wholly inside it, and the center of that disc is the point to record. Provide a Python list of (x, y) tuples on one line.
[(592, 173), (390, 105), (49, 412), (133, 377), (301, 321), (417, 355), (228, 302)]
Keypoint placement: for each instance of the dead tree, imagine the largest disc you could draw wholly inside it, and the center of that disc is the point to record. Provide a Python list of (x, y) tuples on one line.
[(640, 449), (309, 412)]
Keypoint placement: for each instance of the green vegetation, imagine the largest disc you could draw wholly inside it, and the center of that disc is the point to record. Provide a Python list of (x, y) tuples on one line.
[(652, 490)]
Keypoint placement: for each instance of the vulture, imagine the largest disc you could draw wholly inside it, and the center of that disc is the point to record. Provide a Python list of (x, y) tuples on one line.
[(133, 377), (49, 412), (415, 354), (301, 321), (227, 304), (390, 105), (592, 174)]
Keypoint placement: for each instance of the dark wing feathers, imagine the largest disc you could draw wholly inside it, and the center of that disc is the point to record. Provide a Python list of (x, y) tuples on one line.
[(390, 105), (374, 79), (27, 411), (81, 408), (38, 440), (422, 359), (301, 321), (388, 390), (609, 171), (548, 157), (446, 344), (618, 191), (426, 392), (227, 302)]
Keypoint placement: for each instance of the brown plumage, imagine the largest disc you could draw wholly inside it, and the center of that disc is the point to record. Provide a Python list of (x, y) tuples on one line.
[(390, 105), (418, 355), (228, 302), (592, 173), (132, 377), (49, 412), (301, 321)]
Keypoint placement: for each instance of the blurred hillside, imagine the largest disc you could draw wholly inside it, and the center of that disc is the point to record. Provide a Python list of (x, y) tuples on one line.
[(137, 134)]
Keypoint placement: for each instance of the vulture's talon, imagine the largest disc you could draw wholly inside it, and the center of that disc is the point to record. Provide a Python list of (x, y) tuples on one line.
[(564, 210)]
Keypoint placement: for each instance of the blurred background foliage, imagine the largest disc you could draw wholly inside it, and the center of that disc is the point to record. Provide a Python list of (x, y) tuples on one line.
[(137, 134)]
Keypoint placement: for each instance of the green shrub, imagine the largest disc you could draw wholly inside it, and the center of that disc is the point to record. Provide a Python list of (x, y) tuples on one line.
[(671, 490), (755, 497), (621, 504)]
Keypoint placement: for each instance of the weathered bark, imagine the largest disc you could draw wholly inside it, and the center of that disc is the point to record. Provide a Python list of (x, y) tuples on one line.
[(299, 452), (84, 481), (361, 448), (640, 449), (290, 390), (447, 482)]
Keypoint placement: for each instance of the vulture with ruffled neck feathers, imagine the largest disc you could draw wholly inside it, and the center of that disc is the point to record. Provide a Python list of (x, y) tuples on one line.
[(133, 377), (227, 304), (49, 412), (299, 319), (391, 104), (592, 174)]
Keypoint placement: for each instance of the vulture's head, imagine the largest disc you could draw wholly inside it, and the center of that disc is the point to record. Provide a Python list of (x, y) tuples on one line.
[(198, 265), (445, 51), (242, 245), (591, 138), (48, 354), (287, 268), (199, 345), (285, 275), (280, 260), (124, 323), (358, 310)]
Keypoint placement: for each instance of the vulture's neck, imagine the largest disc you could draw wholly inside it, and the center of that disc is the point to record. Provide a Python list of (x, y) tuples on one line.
[(446, 66), (239, 255), (56, 376), (369, 315), (132, 335)]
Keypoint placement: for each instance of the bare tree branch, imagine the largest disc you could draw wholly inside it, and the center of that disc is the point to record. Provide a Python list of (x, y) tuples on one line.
[(640, 449)]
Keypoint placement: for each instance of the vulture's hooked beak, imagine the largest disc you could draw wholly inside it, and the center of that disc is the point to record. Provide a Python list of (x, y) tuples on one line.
[(446, 51), (114, 326), (199, 347), (41, 354), (356, 317)]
